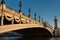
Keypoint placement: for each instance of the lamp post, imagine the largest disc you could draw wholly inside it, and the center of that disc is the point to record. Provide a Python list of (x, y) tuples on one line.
[(39, 18), (2, 13), (42, 20), (35, 15), (29, 10), (20, 6)]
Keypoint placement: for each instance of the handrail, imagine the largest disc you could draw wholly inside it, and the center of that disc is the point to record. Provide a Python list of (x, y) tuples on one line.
[(48, 25)]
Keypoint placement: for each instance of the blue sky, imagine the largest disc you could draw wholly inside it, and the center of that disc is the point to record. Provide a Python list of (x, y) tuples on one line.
[(47, 9)]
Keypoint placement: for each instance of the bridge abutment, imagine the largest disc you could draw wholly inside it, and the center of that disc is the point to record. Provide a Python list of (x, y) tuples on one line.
[(57, 33)]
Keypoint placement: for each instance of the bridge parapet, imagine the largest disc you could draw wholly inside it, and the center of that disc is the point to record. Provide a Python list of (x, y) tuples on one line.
[(11, 12)]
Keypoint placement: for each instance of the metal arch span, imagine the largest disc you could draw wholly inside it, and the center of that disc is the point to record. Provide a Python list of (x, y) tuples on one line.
[(8, 28), (34, 31)]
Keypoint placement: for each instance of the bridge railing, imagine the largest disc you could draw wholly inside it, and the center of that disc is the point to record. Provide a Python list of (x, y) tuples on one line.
[(48, 25), (10, 11)]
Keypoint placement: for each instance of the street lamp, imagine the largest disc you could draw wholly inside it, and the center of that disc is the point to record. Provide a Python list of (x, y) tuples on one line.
[(2, 13), (20, 6)]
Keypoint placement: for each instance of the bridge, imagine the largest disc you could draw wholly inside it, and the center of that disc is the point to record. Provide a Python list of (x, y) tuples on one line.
[(9, 28), (14, 21)]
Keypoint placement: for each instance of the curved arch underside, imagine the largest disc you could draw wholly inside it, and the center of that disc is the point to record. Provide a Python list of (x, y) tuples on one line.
[(33, 32)]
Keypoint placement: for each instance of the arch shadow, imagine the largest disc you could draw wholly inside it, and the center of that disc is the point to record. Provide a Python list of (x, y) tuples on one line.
[(34, 32)]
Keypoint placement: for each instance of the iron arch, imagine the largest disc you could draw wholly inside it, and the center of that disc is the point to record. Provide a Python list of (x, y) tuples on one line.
[(34, 31)]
